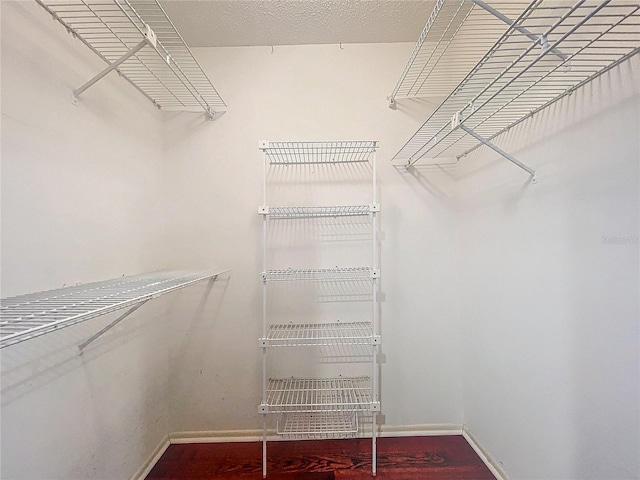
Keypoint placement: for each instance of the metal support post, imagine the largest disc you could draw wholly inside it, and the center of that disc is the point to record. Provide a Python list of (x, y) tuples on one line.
[(111, 325), (499, 15), (498, 150)]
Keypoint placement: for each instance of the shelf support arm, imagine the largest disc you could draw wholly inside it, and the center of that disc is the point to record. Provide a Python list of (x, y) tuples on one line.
[(484, 141), (499, 15), (149, 39), (111, 325)]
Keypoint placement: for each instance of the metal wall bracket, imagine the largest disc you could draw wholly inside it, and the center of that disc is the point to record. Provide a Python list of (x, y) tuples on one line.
[(375, 407), (376, 340), (111, 325), (263, 409), (374, 207), (391, 103), (538, 39), (375, 273), (263, 342), (263, 144), (484, 141), (149, 39), (263, 210)]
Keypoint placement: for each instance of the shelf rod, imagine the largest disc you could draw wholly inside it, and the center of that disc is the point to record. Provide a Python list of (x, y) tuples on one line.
[(78, 91), (499, 15), (498, 150), (111, 325)]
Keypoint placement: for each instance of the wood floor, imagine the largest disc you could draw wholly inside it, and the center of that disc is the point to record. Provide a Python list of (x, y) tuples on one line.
[(406, 458)]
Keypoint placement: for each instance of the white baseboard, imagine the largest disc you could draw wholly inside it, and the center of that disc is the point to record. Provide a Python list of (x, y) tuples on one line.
[(144, 470), (488, 460)]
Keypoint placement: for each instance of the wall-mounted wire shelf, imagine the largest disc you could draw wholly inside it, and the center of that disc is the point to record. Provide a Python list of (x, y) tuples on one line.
[(574, 42), (136, 38), (457, 34), (310, 425), (320, 274), (309, 334), (297, 153), (316, 211), (319, 394), (28, 316)]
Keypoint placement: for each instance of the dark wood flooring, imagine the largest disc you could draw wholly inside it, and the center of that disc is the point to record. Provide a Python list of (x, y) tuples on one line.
[(403, 458)]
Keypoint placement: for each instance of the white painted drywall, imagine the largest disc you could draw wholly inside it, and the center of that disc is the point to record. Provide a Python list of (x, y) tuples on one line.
[(550, 289), (81, 201), (308, 93)]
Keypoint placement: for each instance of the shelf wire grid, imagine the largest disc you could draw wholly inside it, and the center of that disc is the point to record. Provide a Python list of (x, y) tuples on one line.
[(28, 316), (518, 77), (168, 75), (319, 394), (456, 36), (293, 153), (322, 334), (318, 211), (319, 274), (310, 425)]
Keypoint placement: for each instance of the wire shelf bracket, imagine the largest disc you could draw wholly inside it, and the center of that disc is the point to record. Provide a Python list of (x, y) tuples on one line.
[(118, 31), (549, 51)]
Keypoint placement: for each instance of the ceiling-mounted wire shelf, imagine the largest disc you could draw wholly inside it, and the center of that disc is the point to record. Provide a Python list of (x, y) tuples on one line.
[(574, 43), (320, 274), (457, 34), (295, 153), (321, 334), (322, 425), (316, 211), (28, 316), (319, 394), (153, 55)]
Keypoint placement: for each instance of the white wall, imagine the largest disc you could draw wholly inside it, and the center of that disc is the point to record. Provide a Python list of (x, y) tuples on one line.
[(550, 289), (80, 202), (308, 93)]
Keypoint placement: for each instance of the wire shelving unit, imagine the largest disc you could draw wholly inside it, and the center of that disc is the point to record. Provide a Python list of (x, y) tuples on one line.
[(138, 40), (321, 274), (29, 316), (324, 424), (320, 407), (322, 334), (551, 49)]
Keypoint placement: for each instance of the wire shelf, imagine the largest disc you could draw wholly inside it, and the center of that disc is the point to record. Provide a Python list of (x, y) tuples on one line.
[(28, 316), (300, 425), (319, 394), (168, 74), (293, 153), (517, 77), (457, 34), (309, 211), (319, 274), (309, 334)]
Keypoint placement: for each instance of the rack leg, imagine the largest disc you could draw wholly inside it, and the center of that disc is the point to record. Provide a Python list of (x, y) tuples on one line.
[(374, 454), (264, 446)]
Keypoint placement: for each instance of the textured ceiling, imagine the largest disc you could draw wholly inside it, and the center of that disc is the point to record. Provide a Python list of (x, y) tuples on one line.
[(221, 23)]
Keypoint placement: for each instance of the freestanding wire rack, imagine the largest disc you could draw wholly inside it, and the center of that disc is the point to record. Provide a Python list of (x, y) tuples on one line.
[(548, 51), (138, 40), (310, 407)]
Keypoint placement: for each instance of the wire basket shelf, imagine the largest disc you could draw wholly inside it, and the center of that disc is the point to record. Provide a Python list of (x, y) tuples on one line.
[(321, 425), (319, 394), (167, 74), (294, 153), (315, 211), (319, 274), (322, 334), (27, 316), (573, 43)]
